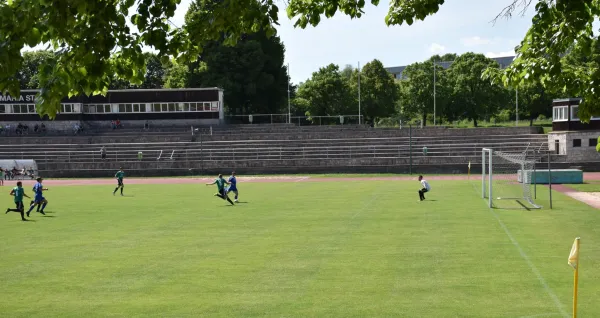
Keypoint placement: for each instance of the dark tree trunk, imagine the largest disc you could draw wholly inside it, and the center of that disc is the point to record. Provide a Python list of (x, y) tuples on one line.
[(424, 119), (474, 122)]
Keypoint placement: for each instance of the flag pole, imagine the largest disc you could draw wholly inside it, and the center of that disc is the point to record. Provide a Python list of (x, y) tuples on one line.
[(576, 279)]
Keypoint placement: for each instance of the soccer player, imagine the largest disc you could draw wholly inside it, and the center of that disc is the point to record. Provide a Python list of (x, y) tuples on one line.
[(38, 199), (221, 192), (233, 186), (18, 192), (424, 188), (119, 175)]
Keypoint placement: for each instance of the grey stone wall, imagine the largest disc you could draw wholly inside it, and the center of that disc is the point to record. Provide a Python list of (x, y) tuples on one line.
[(566, 145)]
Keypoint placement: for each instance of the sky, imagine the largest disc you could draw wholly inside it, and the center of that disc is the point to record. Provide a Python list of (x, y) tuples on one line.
[(459, 26)]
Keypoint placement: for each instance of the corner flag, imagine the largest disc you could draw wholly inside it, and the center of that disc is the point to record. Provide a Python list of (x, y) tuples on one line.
[(574, 262), (574, 255)]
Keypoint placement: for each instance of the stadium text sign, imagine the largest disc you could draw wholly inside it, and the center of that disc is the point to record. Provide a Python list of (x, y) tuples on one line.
[(22, 98)]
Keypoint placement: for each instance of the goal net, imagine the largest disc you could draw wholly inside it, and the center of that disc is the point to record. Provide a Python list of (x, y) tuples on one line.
[(506, 179)]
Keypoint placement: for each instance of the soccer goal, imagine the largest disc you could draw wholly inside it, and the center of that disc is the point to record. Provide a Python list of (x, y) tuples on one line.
[(506, 179)]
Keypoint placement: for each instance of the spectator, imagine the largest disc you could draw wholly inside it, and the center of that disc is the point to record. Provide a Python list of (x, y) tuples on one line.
[(36, 128), (1, 176), (146, 125), (113, 124), (1, 129), (103, 152), (118, 123), (43, 128), (77, 129)]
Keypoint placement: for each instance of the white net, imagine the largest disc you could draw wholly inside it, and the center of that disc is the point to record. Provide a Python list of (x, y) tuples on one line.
[(511, 179)]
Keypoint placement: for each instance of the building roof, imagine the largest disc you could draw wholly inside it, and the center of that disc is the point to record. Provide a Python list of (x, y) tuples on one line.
[(504, 62)]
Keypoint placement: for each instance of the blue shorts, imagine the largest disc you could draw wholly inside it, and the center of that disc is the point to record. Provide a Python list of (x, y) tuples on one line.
[(39, 198), (231, 189)]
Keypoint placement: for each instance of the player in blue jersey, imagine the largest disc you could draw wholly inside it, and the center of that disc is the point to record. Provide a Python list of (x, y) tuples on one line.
[(18, 192), (233, 186), (221, 191), (38, 199)]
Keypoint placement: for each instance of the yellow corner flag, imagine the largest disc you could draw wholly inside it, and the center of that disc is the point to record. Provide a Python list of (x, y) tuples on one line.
[(574, 255), (574, 262)]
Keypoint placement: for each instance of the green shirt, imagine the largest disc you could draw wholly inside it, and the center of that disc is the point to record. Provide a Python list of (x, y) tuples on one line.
[(19, 192), (120, 175), (220, 183)]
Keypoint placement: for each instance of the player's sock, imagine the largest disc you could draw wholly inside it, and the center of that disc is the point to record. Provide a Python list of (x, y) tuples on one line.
[(117, 188), (219, 195), (31, 209), (228, 199), (23, 215), (121, 190), (43, 207)]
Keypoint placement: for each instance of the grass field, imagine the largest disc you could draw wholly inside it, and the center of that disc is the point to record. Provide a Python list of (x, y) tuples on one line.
[(306, 249), (590, 186)]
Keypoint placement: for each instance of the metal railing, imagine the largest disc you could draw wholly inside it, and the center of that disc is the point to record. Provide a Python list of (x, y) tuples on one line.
[(269, 152)]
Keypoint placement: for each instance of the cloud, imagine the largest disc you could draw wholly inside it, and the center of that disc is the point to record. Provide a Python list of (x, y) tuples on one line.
[(475, 41), (436, 48), (500, 54)]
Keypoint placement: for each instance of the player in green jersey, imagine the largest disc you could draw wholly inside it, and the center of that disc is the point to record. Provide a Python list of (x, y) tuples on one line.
[(18, 192), (119, 175), (221, 192)]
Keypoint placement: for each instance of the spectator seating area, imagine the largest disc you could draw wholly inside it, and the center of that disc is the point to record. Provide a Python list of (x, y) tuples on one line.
[(268, 149)]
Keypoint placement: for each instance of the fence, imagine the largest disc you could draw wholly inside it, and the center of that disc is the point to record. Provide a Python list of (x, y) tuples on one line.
[(295, 120)]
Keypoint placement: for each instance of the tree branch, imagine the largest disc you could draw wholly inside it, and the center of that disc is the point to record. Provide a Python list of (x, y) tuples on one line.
[(509, 10)]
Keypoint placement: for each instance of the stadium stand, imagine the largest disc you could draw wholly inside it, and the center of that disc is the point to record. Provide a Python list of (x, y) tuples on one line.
[(267, 149)]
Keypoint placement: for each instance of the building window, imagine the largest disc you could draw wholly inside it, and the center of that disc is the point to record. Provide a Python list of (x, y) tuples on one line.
[(67, 108), (576, 142), (23, 108), (592, 142), (574, 113), (2, 109), (559, 113)]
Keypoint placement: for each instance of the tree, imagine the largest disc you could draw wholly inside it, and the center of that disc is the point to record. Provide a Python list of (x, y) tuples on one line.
[(534, 100), (477, 98), (378, 90), (155, 72), (326, 93), (418, 89), (28, 74), (251, 70), (176, 75), (82, 35)]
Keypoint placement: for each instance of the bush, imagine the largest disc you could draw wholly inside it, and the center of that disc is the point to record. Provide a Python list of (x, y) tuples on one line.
[(541, 117), (598, 145), (503, 116)]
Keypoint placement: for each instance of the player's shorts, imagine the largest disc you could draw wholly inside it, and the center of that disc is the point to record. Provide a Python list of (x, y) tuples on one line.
[(424, 190), (119, 182), (39, 199), (231, 189), (223, 192), (20, 205)]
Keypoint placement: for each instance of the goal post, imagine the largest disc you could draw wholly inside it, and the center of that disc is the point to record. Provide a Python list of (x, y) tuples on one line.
[(507, 179)]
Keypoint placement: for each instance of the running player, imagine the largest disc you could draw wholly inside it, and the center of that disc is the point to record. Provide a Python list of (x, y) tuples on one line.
[(233, 186), (221, 192), (119, 175), (18, 192), (38, 190), (425, 187)]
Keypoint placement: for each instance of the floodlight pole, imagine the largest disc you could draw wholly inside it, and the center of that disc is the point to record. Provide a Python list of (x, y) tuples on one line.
[(289, 104), (359, 119), (517, 105)]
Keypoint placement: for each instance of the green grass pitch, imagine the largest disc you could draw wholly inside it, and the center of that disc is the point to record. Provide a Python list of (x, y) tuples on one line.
[(304, 249)]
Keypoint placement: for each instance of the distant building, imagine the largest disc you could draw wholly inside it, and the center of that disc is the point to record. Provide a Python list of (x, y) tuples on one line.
[(397, 70)]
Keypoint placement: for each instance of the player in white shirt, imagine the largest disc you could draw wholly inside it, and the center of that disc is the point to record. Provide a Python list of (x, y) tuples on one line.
[(425, 187)]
